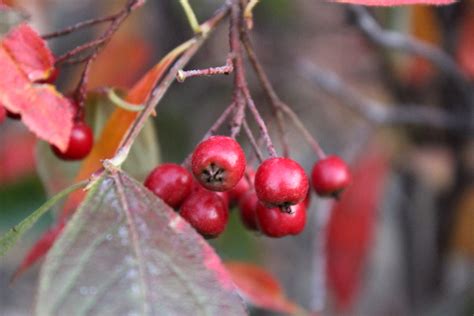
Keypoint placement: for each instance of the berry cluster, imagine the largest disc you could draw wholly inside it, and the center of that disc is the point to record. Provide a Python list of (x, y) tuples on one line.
[(272, 200)]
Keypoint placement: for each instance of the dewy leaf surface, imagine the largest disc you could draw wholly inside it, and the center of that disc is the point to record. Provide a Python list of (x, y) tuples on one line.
[(125, 252)]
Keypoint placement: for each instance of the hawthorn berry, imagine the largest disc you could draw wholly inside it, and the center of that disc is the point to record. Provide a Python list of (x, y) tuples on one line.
[(243, 186), (218, 163), (170, 182), (275, 222), (206, 212), (281, 182), (248, 207), (330, 176), (80, 143)]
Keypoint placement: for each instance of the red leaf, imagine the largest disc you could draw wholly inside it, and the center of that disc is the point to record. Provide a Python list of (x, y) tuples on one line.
[(39, 249), (387, 3), (259, 287), (351, 226), (465, 49), (43, 110), (30, 52)]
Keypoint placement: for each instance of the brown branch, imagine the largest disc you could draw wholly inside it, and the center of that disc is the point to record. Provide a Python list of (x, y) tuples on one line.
[(374, 111), (211, 71), (78, 26), (253, 142)]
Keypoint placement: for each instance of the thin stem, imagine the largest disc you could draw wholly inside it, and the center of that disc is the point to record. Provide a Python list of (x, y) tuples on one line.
[(272, 96), (253, 142), (277, 104), (211, 71), (303, 130), (78, 26), (161, 87), (188, 10), (240, 82), (213, 129)]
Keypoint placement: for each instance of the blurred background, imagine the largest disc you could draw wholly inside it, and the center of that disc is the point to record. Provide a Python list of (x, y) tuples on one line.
[(401, 240)]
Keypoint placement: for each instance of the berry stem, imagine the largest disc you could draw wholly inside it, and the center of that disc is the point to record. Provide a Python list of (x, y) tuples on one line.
[(191, 16), (253, 142), (277, 104), (241, 85)]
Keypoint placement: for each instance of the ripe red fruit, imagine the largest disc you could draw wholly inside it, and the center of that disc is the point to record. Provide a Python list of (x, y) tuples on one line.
[(80, 143), (170, 182), (206, 212), (248, 210), (218, 163), (243, 187), (274, 222), (281, 182), (330, 176)]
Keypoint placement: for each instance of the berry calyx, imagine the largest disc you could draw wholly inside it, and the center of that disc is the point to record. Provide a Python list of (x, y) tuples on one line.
[(170, 182), (206, 212), (330, 176), (281, 182), (243, 186), (274, 222), (218, 163), (248, 210), (80, 143)]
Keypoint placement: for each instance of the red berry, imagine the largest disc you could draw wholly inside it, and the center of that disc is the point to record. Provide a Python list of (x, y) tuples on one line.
[(206, 212), (218, 163), (243, 186), (281, 182), (248, 208), (330, 176), (274, 222), (196, 186), (170, 182), (80, 143)]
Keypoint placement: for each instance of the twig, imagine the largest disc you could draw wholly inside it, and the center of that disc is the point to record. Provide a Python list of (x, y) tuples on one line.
[(240, 83), (253, 142), (402, 42), (374, 111), (211, 71), (248, 13), (79, 26), (277, 104), (161, 87)]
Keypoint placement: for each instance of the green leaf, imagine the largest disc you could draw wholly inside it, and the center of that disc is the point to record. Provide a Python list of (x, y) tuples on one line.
[(12, 236), (125, 252)]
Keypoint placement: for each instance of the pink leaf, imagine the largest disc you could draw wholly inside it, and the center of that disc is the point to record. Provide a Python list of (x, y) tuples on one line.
[(387, 3)]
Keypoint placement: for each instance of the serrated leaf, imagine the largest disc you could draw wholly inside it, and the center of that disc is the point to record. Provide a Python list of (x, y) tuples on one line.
[(30, 52), (12, 236), (25, 58), (125, 252), (387, 3)]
